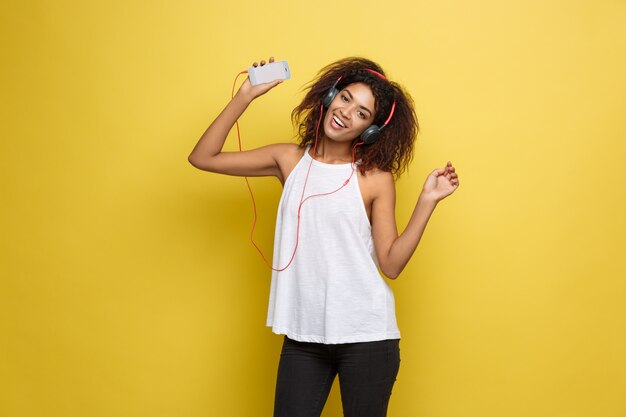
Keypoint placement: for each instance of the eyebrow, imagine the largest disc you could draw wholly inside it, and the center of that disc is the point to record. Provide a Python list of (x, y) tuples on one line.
[(362, 106)]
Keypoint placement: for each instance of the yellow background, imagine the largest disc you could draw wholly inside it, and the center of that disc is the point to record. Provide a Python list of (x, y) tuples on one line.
[(129, 287)]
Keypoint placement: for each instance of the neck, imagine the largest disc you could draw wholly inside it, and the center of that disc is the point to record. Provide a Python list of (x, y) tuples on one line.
[(331, 152)]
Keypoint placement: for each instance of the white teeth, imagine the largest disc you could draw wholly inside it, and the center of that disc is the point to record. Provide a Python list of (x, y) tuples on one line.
[(336, 119)]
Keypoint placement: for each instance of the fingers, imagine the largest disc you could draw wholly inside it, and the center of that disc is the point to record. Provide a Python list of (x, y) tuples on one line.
[(451, 175), (256, 64), (272, 84)]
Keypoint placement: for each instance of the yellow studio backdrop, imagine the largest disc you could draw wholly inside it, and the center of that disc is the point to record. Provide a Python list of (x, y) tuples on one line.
[(129, 286)]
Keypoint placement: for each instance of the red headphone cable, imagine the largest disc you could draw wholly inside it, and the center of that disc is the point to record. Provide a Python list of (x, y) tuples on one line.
[(302, 199)]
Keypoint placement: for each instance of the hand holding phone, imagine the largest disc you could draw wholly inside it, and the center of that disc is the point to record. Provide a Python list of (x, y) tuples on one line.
[(269, 72)]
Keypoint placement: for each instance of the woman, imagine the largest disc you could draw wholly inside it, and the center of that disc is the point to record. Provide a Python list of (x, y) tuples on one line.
[(335, 230)]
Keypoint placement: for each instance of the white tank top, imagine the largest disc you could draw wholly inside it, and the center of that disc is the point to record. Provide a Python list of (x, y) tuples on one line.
[(332, 292)]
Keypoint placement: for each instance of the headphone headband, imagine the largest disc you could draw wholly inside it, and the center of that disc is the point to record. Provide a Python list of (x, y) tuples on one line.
[(376, 73), (393, 105)]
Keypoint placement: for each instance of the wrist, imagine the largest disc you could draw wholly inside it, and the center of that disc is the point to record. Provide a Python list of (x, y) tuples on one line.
[(243, 98), (428, 199)]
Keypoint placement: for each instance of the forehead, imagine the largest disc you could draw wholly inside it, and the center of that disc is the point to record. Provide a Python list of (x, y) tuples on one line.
[(362, 93)]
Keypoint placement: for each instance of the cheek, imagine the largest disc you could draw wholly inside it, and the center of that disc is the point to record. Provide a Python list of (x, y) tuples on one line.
[(362, 125), (326, 119)]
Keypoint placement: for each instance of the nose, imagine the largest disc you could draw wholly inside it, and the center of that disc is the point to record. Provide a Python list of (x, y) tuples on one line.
[(348, 109), (345, 111)]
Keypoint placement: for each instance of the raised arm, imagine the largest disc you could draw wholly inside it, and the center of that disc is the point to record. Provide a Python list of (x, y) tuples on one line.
[(207, 154), (393, 251)]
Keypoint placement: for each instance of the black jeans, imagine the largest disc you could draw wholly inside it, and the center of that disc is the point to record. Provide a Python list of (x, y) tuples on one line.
[(367, 372)]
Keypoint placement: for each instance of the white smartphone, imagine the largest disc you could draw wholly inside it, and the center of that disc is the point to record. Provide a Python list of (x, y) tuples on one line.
[(269, 72)]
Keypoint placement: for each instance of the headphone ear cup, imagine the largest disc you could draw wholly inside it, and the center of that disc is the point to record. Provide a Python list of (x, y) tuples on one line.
[(370, 135), (330, 96)]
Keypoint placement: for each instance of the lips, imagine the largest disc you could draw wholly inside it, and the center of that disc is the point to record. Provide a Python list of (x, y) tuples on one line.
[(337, 123)]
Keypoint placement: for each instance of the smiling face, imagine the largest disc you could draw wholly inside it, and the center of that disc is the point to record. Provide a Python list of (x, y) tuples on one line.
[(350, 112)]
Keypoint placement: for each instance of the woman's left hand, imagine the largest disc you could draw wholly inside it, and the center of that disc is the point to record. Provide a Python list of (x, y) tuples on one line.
[(441, 183)]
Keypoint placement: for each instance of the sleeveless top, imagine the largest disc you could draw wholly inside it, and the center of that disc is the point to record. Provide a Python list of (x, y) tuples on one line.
[(332, 292)]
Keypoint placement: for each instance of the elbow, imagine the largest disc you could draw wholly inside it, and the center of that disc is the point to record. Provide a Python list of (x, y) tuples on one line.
[(390, 273), (387, 268), (204, 163), (198, 163)]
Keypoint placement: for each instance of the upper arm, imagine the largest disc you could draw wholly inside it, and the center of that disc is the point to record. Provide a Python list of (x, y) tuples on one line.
[(384, 228), (264, 161)]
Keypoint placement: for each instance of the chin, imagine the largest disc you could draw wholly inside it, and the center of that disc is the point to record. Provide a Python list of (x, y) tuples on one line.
[(336, 136)]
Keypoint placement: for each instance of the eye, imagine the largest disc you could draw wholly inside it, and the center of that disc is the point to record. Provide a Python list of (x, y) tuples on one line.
[(344, 98), (361, 114)]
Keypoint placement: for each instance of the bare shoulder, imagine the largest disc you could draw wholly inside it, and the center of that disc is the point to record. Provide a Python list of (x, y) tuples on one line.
[(288, 150), (376, 186), (287, 156), (377, 182)]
